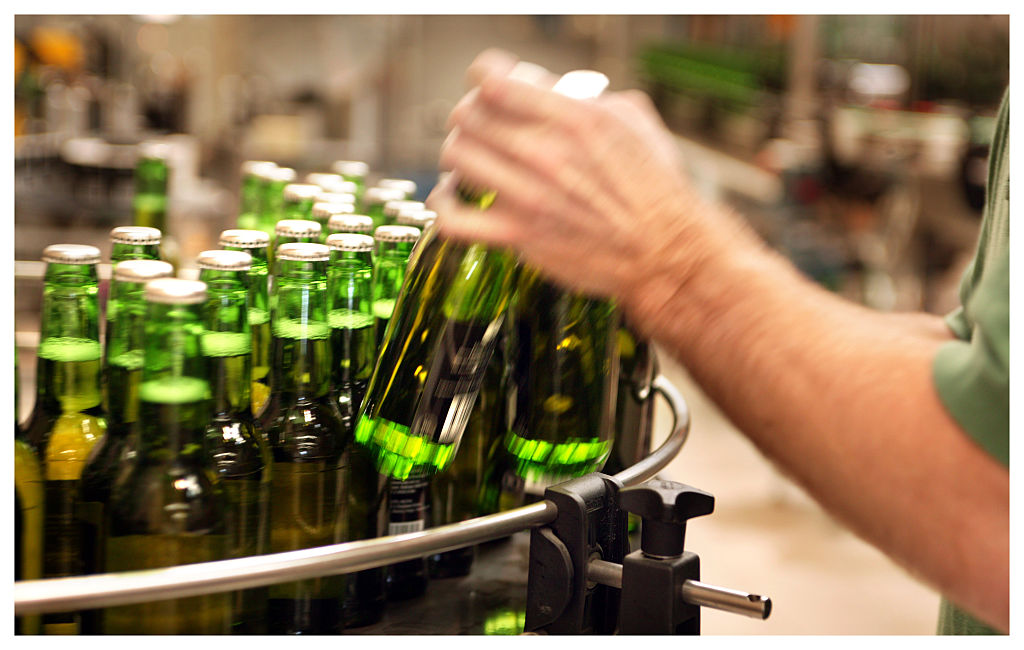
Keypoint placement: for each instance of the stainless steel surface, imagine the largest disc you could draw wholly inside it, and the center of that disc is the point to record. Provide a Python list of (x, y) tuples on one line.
[(65, 594), (727, 600)]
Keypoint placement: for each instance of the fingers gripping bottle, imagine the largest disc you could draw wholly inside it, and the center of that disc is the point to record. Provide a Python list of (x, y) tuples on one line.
[(440, 339)]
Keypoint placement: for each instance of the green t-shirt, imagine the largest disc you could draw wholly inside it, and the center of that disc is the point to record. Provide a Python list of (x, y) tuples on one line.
[(972, 374)]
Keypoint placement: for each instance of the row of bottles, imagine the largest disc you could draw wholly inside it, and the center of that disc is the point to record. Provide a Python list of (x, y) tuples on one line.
[(317, 385)]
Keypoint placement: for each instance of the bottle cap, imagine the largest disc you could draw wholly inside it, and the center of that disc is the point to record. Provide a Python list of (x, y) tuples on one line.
[(326, 210), (350, 241), (420, 218), (381, 195), (332, 183), (154, 150), (297, 228), (300, 192), (173, 291), (244, 238), (351, 168), (404, 185), (222, 260), (394, 208), (303, 252), (340, 198), (254, 167), (350, 223), (396, 234), (71, 254), (280, 174), (142, 270), (141, 235)]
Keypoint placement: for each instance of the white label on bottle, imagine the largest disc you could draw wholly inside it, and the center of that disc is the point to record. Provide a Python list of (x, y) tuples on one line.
[(402, 527)]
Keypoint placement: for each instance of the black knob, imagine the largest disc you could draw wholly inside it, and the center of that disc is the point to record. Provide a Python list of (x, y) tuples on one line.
[(665, 506)]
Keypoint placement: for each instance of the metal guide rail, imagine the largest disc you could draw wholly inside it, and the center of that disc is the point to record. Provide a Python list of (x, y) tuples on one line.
[(106, 590)]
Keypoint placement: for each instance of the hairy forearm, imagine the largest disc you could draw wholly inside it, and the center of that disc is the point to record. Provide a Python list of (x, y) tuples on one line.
[(842, 399)]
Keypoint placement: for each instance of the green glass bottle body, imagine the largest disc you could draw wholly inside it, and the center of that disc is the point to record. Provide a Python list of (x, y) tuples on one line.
[(354, 171), (297, 201), (353, 352), (393, 246), (273, 182), (565, 372), (432, 358), (169, 509), (234, 440), (149, 202), (256, 242), (252, 193), (28, 525), (309, 452), (67, 419), (122, 374)]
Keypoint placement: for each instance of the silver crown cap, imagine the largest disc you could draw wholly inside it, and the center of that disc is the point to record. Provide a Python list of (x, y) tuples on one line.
[(297, 228), (71, 254), (380, 195), (394, 208), (301, 191), (358, 222), (351, 168), (221, 260), (327, 209), (350, 241), (286, 174), (135, 235), (173, 291), (417, 218), (341, 198), (396, 233), (302, 252), (254, 167), (142, 270), (244, 238), (403, 184)]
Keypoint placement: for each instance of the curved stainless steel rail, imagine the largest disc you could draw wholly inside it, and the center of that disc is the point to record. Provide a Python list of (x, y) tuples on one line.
[(83, 592)]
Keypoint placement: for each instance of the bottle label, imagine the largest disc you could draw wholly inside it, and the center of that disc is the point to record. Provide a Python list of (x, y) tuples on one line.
[(407, 505), (454, 380)]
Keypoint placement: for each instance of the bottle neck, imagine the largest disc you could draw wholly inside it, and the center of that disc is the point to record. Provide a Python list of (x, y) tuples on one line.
[(301, 354), (125, 347), (174, 396), (227, 341), (69, 349), (121, 252)]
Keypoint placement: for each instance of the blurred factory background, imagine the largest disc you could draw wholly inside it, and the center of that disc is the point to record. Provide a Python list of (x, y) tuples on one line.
[(855, 144)]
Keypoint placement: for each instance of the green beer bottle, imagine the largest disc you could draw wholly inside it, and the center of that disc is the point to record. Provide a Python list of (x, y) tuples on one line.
[(359, 224), (168, 509), (393, 245), (373, 203), (67, 419), (255, 242), (324, 212), (565, 374), (354, 171), (234, 441), (404, 185), (134, 243), (149, 203), (28, 511), (353, 351), (298, 200), (252, 193), (122, 374), (440, 340), (291, 231), (393, 208), (306, 435), (273, 182)]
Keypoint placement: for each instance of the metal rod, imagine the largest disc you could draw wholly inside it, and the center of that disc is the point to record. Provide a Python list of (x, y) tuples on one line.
[(692, 592), (727, 600), (106, 590)]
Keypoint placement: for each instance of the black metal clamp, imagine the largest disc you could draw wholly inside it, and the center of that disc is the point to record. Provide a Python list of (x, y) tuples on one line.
[(583, 580)]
